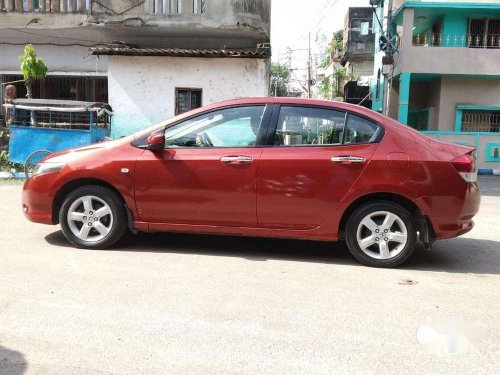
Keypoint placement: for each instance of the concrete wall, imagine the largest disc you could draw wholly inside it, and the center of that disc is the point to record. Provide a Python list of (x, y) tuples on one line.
[(67, 59), (434, 102), (230, 23), (482, 143), (360, 68), (142, 89), (443, 60), (473, 91)]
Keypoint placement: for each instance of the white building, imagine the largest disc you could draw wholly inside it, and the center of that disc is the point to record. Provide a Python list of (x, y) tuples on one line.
[(160, 62), (150, 85)]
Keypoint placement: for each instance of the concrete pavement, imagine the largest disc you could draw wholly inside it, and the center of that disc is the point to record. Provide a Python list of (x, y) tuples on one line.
[(171, 303)]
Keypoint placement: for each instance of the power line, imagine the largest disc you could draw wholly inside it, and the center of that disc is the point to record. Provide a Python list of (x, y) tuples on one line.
[(325, 13)]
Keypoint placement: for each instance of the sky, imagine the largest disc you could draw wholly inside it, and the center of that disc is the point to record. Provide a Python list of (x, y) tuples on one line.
[(291, 21)]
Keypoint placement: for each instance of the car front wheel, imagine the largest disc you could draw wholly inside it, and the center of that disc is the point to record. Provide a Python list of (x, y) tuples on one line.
[(381, 234), (93, 217)]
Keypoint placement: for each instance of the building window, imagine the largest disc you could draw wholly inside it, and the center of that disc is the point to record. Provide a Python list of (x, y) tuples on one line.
[(364, 28), (186, 100), (419, 119), (484, 33), (493, 152), (480, 121)]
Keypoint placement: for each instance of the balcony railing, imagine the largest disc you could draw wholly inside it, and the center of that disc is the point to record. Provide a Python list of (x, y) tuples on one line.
[(176, 6), (75, 6), (46, 6), (451, 40)]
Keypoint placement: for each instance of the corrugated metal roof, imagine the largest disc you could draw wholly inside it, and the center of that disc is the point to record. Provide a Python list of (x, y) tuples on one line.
[(259, 52)]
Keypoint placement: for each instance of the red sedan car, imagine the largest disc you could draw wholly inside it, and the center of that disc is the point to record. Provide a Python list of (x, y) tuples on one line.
[(270, 167)]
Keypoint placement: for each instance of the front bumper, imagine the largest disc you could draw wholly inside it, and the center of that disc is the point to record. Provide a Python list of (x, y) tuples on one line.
[(37, 198)]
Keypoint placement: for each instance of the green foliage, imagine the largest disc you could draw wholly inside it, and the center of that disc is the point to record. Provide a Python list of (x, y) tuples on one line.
[(32, 68), (325, 89), (335, 46), (5, 164), (280, 75)]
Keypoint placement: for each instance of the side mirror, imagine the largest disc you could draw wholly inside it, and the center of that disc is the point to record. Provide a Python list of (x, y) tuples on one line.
[(156, 142)]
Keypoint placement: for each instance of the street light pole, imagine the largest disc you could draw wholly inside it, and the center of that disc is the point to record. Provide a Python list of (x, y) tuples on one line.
[(309, 63), (388, 80)]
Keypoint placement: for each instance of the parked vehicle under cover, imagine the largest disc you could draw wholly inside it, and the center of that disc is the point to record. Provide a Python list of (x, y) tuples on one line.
[(270, 167)]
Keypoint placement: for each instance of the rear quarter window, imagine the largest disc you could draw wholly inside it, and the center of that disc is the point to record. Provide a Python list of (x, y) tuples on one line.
[(359, 130)]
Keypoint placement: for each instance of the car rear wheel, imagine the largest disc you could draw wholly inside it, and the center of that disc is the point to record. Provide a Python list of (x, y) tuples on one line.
[(381, 234), (93, 217)]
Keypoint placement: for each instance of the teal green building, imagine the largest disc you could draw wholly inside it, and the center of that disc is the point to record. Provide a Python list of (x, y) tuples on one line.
[(445, 79)]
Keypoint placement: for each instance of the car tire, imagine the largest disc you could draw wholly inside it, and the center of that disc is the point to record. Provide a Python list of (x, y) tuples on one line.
[(93, 217), (381, 234)]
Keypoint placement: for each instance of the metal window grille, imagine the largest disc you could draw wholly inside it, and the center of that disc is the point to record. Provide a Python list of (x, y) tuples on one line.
[(60, 120), (187, 99), (92, 89), (476, 121)]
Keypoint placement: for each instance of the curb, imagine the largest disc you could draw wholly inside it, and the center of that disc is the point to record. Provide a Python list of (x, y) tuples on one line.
[(13, 175)]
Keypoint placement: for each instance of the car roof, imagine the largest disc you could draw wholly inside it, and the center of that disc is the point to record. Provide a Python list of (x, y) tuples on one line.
[(375, 116), (303, 101)]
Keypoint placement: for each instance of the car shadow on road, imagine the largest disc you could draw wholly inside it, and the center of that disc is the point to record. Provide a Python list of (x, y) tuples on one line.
[(12, 362), (459, 255)]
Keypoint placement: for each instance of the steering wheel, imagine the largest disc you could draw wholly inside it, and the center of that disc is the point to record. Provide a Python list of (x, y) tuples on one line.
[(203, 140)]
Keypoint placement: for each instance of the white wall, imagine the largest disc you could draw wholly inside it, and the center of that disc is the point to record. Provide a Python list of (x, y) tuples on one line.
[(142, 89), (59, 59)]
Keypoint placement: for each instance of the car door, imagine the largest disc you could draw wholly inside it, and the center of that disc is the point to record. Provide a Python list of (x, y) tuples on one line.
[(316, 155), (206, 175)]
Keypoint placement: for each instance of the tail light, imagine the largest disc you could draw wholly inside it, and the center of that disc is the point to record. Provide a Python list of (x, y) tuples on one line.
[(466, 166)]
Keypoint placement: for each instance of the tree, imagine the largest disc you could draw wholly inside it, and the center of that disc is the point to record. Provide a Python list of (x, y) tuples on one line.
[(334, 48), (280, 75), (32, 68)]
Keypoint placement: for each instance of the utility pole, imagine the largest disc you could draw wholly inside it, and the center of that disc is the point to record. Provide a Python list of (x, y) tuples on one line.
[(309, 63), (388, 80)]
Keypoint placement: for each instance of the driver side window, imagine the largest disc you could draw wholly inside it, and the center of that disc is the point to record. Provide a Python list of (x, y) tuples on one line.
[(229, 127)]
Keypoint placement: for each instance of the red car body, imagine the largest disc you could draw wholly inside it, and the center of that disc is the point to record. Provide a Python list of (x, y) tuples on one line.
[(290, 192)]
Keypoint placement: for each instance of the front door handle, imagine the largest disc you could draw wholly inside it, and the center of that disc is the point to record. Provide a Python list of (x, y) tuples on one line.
[(348, 159), (236, 159)]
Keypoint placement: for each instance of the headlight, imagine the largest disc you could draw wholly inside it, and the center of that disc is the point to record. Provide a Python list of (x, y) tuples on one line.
[(47, 167)]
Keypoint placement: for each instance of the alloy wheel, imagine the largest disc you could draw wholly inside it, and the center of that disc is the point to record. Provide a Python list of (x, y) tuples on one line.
[(90, 218), (382, 235)]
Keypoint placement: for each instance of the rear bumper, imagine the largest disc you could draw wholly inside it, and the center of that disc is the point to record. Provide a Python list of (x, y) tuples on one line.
[(451, 216), (37, 199)]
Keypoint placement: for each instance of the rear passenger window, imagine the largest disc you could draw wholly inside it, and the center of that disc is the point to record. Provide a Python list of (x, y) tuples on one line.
[(309, 126), (359, 130)]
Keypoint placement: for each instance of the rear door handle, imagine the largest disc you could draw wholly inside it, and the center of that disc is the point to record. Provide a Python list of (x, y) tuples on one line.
[(348, 159), (236, 159)]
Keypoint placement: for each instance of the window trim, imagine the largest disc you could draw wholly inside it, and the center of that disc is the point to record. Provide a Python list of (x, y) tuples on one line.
[(265, 119), (377, 137), (464, 107), (190, 89)]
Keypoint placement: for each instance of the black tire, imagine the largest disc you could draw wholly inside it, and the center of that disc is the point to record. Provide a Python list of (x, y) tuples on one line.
[(354, 221), (117, 223)]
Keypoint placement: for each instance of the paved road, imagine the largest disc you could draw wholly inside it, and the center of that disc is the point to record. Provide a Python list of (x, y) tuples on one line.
[(166, 304)]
